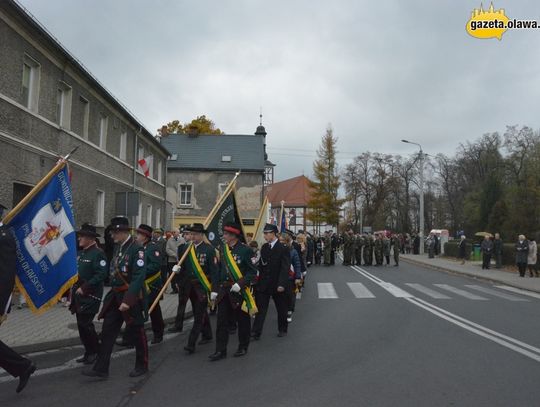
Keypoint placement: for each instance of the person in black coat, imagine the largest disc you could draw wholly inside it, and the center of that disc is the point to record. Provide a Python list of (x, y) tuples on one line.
[(273, 279), (10, 361)]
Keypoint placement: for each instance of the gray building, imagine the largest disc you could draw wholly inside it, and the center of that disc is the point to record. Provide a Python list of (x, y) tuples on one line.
[(201, 166), (49, 104)]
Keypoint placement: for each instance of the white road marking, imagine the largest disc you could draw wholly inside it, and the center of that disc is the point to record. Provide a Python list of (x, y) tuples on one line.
[(494, 336), (391, 288), (518, 291), (326, 290), (461, 292), (428, 291), (504, 340), (360, 290), (496, 293), (71, 364)]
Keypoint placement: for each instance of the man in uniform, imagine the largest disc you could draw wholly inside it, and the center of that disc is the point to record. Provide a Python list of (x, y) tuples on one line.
[(273, 279), (334, 239), (358, 245), (88, 290), (366, 253), (10, 361), (378, 247), (172, 251), (153, 282), (179, 281), (347, 248), (205, 256), (397, 248), (125, 302), (229, 298), (327, 248), (161, 244)]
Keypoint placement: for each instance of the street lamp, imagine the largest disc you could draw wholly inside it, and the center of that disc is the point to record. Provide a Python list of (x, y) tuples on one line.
[(421, 231)]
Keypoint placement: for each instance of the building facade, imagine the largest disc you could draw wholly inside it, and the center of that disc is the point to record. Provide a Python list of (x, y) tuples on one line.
[(200, 168), (50, 104)]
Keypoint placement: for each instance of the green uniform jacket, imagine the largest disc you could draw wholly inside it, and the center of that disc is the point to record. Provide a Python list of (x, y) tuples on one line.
[(161, 245), (128, 266), (242, 255), (92, 270), (206, 254), (153, 257)]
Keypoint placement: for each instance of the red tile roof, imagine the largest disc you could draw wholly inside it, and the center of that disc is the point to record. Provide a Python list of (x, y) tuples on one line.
[(294, 191)]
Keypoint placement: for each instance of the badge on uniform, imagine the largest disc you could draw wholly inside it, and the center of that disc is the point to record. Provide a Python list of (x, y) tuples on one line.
[(141, 255), (102, 263), (140, 263), (156, 253)]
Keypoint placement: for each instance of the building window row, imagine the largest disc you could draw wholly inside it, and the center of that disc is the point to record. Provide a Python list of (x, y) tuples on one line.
[(30, 88)]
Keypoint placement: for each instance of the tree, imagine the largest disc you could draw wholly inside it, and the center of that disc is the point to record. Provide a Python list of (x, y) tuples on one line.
[(324, 203), (199, 125)]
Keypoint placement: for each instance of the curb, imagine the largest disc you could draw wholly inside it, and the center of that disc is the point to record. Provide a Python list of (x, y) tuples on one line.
[(63, 343), (472, 276)]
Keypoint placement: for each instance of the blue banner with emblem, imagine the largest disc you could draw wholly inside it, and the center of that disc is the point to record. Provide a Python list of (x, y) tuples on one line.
[(44, 232)]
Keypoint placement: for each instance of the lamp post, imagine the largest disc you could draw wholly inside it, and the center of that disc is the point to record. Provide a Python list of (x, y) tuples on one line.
[(421, 217)]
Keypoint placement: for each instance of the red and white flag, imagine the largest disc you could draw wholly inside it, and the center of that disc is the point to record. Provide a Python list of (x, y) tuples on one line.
[(146, 164)]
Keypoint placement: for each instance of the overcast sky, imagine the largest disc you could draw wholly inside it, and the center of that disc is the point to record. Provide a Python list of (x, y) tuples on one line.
[(378, 71)]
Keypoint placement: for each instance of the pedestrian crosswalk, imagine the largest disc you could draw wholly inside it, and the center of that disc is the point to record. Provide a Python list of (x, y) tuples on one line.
[(327, 290)]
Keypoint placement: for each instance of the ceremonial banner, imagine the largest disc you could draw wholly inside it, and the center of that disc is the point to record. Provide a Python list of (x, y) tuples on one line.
[(43, 227), (283, 219), (224, 211)]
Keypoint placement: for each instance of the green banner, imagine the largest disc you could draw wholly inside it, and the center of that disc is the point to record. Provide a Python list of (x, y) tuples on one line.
[(227, 212)]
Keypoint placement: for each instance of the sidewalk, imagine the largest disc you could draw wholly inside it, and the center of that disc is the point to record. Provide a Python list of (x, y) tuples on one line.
[(474, 269), (27, 332)]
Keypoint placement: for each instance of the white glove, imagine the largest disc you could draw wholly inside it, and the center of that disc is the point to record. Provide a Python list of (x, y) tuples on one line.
[(236, 288), (176, 269), (304, 273), (213, 296)]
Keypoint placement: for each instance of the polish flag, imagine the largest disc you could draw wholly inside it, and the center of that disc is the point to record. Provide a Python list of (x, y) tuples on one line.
[(145, 164)]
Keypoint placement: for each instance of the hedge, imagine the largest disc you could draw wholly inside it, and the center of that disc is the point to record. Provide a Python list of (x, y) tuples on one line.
[(451, 249)]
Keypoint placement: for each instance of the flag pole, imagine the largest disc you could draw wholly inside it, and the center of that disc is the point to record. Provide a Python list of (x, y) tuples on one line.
[(162, 291), (264, 208), (61, 163), (281, 216)]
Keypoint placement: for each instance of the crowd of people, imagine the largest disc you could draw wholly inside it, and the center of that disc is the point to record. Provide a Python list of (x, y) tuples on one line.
[(235, 282)]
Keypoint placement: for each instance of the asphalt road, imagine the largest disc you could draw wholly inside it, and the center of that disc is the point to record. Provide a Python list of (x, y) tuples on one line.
[(388, 336)]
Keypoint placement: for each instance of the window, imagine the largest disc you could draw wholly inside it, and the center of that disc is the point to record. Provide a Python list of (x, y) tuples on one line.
[(158, 217), (139, 215), (30, 83), (160, 171), (186, 192), (222, 188), (149, 214), (123, 146), (100, 208), (63, 105), (103, 125), (85, 109), (140, 152), (150, 164)]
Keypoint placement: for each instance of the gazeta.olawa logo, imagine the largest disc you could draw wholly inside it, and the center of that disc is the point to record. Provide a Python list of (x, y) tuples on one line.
[(491, 23)]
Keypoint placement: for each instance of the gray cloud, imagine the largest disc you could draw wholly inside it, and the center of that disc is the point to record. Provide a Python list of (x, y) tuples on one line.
[(378, 71)]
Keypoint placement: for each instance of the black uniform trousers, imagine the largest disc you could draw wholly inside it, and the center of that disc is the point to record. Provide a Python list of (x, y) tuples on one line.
[(183, 297), (156, 317), (262, 299), (112, 323), (12, 362), (87, 333), (332, 257), (225, 311), (201, 321)]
